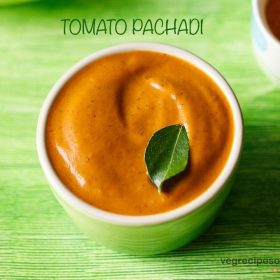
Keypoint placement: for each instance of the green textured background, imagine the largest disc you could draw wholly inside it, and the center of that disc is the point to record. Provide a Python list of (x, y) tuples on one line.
[(38, 240)]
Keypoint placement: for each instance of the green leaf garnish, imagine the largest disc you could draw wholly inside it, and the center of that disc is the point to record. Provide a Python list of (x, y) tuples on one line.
[(167, 154)]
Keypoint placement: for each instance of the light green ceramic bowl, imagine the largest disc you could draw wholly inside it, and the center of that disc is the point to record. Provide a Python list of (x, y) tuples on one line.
[(149, 234)]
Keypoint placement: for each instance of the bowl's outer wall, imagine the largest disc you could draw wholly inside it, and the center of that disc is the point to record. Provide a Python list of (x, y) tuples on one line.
[(150, 239)]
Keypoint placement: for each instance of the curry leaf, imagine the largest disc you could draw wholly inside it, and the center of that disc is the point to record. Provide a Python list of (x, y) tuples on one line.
[(167, 154)]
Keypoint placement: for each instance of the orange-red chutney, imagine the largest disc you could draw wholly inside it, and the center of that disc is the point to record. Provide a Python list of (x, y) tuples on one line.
[(272, 13), (100, 123)]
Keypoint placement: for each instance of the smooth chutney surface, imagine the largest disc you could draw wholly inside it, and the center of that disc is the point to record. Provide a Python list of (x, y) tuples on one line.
[(102, 119), (272, 13)]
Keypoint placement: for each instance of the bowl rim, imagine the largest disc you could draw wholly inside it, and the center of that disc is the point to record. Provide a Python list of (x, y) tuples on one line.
[(74, 201), (258, 10)]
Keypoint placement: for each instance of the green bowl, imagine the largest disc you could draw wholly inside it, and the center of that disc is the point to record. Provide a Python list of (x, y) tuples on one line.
[(150, 234)]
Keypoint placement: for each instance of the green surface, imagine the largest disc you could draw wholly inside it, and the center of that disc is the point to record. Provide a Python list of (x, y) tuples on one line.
[(38, 240)]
